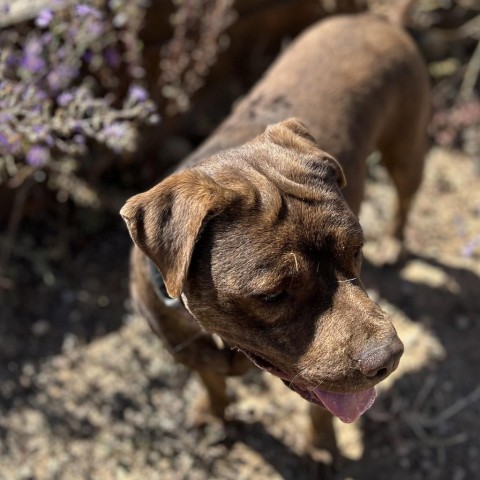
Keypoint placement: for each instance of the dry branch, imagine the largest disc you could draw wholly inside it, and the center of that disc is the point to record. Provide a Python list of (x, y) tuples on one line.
[(15, 11), (471, 75)]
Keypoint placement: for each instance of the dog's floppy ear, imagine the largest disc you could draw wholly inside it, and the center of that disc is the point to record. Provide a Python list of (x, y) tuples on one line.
[(292, 133), (165, 221)]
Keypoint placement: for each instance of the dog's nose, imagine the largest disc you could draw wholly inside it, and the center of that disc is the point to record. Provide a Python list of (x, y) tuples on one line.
[(379, 361)]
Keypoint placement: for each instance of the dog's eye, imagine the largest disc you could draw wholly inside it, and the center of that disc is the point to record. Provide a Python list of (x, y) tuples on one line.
[(273, 297)]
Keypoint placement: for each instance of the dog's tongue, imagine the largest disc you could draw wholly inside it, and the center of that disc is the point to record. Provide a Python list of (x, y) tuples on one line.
[(347, 406)]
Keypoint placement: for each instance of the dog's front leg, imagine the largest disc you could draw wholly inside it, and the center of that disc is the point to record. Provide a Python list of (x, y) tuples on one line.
[(322, 435), (215, 401)]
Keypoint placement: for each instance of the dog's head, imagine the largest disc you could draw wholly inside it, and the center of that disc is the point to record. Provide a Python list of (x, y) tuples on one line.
[(265, 252)]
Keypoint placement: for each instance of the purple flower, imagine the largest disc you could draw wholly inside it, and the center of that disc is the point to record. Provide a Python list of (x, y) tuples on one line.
[(76, 126), (64, 99), (33, 64), (46, 38), (61, 77), (41, 96), (116, 130), (44, 18), (49, 140), (95, 28), (42, 133), (112, 57), (5, 118), (137, 93), (83, 10), (32, 60), (88, 56), (114, 133), (40, 130), (4, 142), (33, 46), (79, 139), (37, 156), (469, 249), (12, 60)]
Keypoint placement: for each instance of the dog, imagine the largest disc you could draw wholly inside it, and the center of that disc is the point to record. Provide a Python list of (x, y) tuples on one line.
[(250, 253)]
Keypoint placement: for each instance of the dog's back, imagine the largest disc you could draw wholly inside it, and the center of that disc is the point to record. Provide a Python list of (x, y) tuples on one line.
[(356, 81)]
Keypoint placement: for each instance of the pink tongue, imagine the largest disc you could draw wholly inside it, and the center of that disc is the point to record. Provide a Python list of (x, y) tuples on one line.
[(347, 406)]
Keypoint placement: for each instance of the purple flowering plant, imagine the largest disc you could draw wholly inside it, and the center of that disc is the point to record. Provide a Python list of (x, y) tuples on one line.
[(70, 79)]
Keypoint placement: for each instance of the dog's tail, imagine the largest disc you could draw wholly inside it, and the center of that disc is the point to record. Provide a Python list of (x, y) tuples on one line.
[(399, 12)]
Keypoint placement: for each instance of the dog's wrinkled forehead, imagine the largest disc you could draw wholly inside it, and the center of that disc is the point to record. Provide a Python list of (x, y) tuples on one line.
[(295, 204), (256, 251), (308, 174), (253, 263), (284, 188), (278, 187)]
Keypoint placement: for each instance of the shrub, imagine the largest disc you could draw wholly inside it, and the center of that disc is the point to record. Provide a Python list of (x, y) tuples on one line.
[(68, 82)]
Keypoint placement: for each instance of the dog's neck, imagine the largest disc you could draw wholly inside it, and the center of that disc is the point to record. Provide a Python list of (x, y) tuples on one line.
[(158, 285)]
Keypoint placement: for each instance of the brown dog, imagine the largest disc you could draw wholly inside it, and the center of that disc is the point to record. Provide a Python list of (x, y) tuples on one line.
[(258, 234)]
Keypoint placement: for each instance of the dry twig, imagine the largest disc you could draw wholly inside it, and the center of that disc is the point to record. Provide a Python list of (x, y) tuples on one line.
[(12, 12), (14, 221), (470, 29), (458, 406), (471, 75)]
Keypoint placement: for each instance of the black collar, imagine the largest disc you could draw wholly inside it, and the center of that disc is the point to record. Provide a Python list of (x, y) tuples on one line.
[(159, 286), (173, 303)]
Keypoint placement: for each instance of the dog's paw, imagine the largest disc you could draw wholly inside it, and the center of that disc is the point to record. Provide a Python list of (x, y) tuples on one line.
[(202, 412), (322, 463), (320, 455)]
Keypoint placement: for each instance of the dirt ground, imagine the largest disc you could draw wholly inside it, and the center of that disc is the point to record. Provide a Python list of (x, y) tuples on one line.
[(87, 391)]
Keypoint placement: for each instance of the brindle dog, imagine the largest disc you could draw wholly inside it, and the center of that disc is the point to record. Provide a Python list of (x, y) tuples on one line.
[(257, 232)]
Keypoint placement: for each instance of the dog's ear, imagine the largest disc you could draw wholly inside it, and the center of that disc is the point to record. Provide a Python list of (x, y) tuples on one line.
[(292, 133), (165, 221)]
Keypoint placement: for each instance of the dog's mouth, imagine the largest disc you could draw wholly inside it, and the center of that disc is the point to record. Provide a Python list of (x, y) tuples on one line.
[(348, 407)]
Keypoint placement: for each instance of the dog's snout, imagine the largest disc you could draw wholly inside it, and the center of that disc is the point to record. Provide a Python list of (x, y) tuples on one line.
[(379, 361)]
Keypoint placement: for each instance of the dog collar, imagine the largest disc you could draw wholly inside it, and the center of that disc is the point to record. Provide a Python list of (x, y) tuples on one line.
[(159, 286), (174, 303)]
